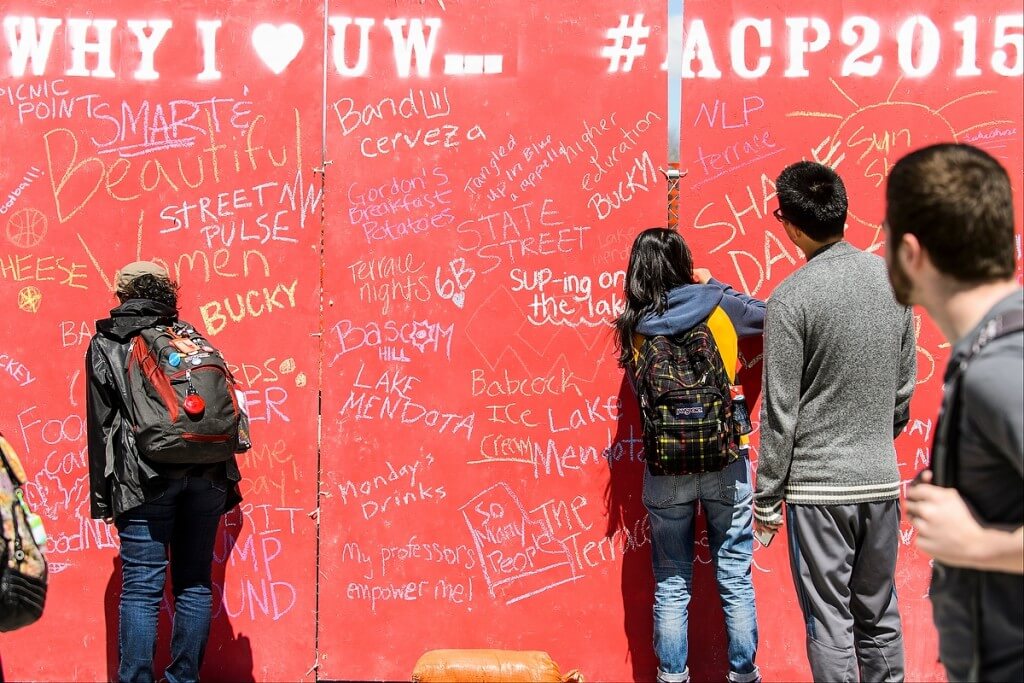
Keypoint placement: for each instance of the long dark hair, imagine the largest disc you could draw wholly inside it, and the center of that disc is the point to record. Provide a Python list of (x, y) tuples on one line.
[(658, 262)]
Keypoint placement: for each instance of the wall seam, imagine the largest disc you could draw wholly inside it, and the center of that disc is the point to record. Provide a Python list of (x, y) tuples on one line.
[(322, 263)]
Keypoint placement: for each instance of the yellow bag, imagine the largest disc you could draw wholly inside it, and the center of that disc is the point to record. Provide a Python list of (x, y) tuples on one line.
[(461, 666)]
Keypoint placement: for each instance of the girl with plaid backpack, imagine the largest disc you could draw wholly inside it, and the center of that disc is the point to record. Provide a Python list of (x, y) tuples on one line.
[(678, 342)]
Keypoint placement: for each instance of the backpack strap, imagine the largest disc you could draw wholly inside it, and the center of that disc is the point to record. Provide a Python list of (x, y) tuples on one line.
[(945, 445), (1002, 325), (16, 484), (636, 371)]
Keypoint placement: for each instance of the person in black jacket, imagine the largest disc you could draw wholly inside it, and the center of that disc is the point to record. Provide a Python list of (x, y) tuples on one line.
[(157, 508)]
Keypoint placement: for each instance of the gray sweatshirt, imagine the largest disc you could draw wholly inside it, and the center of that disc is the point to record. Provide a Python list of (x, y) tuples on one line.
[(839, 370)]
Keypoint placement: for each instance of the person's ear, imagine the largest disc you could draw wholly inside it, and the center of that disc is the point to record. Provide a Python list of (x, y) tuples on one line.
[(794, 233), (910, 253)]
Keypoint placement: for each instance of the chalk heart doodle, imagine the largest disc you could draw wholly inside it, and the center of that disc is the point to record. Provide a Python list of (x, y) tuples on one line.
[(277, 46)]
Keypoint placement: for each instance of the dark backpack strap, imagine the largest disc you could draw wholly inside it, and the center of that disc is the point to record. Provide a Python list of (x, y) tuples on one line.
[(945, 446), (1000, 326), (637, 372)]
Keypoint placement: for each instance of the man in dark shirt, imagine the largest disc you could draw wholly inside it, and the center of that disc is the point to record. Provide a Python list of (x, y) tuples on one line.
[(950, 249), (159, 509)]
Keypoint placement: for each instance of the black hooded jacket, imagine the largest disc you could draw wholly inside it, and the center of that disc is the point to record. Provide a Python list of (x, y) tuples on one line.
[(119, 479)]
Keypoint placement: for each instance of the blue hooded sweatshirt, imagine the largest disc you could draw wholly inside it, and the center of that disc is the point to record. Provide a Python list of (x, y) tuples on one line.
[(691, 304)]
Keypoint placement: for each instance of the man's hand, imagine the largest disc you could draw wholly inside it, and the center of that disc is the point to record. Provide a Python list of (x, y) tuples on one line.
[(946, 528), (701, 275), (764, 528)]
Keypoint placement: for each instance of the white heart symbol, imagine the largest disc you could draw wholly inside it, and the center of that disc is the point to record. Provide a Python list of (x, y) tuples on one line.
[(459, 299), (277, 45)]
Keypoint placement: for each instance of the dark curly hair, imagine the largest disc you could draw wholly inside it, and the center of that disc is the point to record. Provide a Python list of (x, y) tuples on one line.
[(151, 287)]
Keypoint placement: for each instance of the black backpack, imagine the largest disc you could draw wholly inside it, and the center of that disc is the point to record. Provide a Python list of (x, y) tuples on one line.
[(691, 424), (182, 402)]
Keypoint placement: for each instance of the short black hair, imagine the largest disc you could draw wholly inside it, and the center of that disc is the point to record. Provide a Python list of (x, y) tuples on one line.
[(813, 198), (152, 287), (957, 200)]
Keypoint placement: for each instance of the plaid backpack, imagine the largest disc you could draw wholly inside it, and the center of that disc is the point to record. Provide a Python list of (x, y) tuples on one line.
[(182, 401), (686, 405)]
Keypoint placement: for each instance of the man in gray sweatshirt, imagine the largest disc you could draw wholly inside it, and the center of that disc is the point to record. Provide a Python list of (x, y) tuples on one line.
[(839, 371)]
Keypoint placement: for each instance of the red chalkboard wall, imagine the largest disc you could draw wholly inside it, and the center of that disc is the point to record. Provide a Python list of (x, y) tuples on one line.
[(406, 222)]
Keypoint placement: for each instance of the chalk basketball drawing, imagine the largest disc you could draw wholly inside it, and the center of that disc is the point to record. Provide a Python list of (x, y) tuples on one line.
[(26, 228)]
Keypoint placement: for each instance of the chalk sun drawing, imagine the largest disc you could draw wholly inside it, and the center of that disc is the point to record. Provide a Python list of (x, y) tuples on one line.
[(873, 137), (277, 46)]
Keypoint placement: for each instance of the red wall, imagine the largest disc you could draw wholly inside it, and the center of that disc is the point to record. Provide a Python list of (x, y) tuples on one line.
[(438, 293)]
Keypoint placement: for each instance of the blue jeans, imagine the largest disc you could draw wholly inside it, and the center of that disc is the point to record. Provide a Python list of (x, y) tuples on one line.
[(182, 521), (727, 498)]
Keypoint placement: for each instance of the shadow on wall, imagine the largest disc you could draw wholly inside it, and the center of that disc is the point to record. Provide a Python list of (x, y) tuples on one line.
[(228, 655), (627, 517)]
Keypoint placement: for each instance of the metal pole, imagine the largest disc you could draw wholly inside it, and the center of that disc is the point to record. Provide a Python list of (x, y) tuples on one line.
[(674, 68)]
